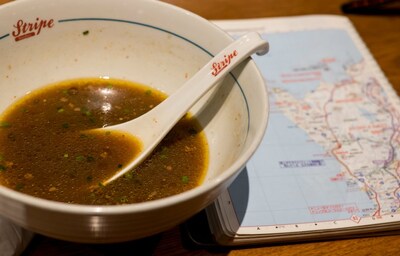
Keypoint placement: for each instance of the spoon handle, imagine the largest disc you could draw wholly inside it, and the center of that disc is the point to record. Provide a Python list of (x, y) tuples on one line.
[(152, 127), (178, 104), (162, 118)]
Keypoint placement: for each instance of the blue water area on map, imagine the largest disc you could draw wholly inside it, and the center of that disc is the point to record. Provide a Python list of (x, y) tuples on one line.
[(289, 179), (290, 51)]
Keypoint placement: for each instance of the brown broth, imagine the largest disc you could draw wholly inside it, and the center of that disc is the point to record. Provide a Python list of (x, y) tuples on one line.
[(46, 150)]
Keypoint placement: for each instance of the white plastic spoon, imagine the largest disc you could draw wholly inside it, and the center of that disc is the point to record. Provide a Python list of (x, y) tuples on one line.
[(153, 126)]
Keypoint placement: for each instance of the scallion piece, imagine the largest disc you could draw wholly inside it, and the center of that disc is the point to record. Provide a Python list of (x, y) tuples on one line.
[(4, 124), (185, 179)]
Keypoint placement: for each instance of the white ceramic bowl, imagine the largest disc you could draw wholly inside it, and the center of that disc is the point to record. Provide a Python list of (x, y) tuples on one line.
[(44, 41)]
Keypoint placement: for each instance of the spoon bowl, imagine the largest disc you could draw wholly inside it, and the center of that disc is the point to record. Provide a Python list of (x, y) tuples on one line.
[(153, 126)]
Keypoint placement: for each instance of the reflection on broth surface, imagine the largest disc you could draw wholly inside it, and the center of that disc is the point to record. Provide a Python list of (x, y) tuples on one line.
[(46, 150)]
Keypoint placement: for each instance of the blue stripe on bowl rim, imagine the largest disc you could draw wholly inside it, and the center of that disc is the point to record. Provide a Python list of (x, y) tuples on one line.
[(4, 36)]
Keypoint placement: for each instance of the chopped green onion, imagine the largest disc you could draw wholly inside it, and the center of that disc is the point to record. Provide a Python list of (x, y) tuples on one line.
[(163, 153), (2, 168), (148, 92), (4, 124), (80, 158), (19, 186), (185, 179), (83, 136), (128, 175)]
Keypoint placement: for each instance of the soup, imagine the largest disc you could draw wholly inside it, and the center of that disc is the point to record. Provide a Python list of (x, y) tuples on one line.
[(47, 149)]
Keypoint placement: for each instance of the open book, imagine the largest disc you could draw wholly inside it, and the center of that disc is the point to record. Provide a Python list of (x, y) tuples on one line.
[(329, 164)]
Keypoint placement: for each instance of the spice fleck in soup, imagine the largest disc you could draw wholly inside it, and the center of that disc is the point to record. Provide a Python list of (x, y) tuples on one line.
[(47, 150)]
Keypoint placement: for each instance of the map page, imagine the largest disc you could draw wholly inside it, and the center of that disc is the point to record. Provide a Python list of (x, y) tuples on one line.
[(330, 157)]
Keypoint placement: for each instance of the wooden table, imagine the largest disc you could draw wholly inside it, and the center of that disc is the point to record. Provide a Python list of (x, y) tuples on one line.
[(382, 36)]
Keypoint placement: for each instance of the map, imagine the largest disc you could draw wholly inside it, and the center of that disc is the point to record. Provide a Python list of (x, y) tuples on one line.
[(331, 150)]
